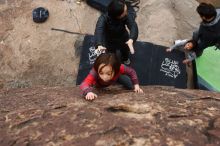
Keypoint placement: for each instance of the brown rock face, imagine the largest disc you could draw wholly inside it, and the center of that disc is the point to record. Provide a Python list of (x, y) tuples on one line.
[(60, 116)]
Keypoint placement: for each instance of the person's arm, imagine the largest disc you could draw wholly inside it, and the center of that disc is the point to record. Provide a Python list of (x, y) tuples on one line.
[(130, 72), (133, 76), (177, 45), (195, 36), (86, 85), (100, 30), (133, 28), (191, 55)]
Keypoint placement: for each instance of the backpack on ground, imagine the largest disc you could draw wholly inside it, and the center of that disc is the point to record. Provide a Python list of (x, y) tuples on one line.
[(40, 15)]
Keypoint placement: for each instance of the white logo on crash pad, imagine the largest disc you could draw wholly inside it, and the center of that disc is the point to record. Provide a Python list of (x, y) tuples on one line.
[(170, 68), (92, 55)]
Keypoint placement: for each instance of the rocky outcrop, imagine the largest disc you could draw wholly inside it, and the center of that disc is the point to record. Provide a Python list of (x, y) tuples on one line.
[(32, 54), (60, 116)]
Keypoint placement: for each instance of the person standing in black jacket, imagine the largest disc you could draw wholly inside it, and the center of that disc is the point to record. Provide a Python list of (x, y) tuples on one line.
[(208, 33), (111, 33)]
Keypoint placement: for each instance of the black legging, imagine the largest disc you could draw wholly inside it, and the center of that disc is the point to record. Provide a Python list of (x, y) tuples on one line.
[(113, 46)]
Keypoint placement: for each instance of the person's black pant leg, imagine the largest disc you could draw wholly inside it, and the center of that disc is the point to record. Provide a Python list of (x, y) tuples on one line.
[(124, 49), (118, 44), (111, 47)]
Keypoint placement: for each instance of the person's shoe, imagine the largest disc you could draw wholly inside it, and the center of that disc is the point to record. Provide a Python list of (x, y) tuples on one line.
[(127, 62)]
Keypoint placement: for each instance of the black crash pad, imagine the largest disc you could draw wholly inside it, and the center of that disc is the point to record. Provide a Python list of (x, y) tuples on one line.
[(154, 66)]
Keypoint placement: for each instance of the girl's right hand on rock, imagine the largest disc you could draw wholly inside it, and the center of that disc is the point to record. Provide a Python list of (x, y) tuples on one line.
[(90, 96)]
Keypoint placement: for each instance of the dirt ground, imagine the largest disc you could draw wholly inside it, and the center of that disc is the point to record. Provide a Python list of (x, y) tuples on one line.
[(32, 54)]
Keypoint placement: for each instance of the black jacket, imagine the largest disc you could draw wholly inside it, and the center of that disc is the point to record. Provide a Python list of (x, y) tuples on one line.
[(109, 29), (208, 34)]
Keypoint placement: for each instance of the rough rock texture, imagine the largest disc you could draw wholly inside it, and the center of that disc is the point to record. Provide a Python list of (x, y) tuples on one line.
[(60, 116), (162, 21), (32, 54)]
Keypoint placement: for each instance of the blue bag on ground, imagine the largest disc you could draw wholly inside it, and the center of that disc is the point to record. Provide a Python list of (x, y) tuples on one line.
[(40, 15)]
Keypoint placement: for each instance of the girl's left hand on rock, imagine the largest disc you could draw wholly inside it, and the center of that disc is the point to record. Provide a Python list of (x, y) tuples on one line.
[(138, 89)]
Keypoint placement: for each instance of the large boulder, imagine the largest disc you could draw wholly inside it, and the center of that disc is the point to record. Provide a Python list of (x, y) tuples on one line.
[(60, 116)]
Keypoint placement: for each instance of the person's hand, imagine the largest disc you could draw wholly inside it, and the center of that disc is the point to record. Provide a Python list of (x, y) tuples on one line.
[(130, 45), (138, 89), (168, 50), (90, 96), (100, 50), (186, 61)]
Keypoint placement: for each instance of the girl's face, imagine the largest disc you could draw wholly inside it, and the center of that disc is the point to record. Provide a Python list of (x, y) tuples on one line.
[(105, 73), (188, 46)]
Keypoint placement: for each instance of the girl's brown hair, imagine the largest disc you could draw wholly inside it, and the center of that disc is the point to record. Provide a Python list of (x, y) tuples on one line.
[(107, 59)]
